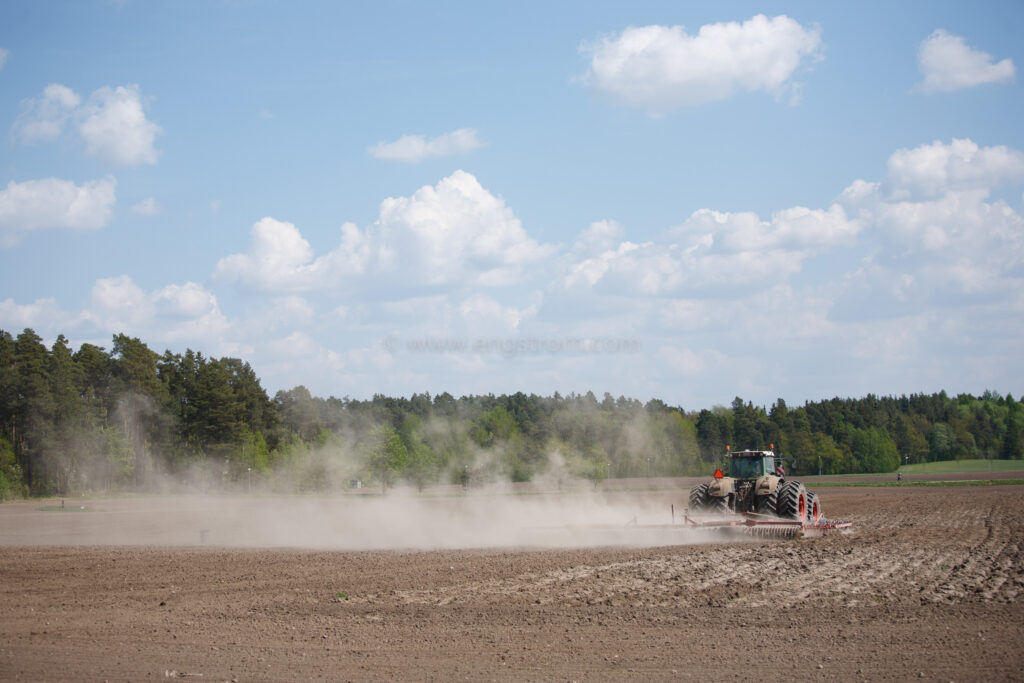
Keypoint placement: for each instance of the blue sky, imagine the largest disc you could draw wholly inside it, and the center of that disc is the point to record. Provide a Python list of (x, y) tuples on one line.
[(671, 200)]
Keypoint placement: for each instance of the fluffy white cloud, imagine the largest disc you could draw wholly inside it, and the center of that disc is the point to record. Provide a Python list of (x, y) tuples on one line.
[(948, 63), (53, 203), (960, 220), (118, 303), (280, 259), (939, 229), (174, 313), (4, 54), (600, 236), (114, 127), (455, 232), (112, 123), (43, 118), (711, 248), (415, 148), (796, 227), (930, 170), (185, 301), (646, 268), (663, 68), (42, 314)]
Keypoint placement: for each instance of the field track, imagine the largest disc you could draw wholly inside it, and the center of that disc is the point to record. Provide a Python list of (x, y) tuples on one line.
[(930, 585)]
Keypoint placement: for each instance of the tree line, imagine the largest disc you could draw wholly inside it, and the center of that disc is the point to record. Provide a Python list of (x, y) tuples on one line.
[(128, 418)]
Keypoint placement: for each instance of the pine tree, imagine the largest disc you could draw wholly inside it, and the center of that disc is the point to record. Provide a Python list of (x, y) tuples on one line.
[(1013, 448)]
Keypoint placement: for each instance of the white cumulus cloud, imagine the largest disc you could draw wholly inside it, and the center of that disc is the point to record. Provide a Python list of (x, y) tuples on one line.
[(934, 215), (663, 68), (599, 236), (796, 227), (948, 63), (174, 313), (455, 232), (930, 170), (415, 148), (114, 126), (4, 54), (43, 118), (53, 203), (281, 259), (42, 314), (112, 123), (710, 248)]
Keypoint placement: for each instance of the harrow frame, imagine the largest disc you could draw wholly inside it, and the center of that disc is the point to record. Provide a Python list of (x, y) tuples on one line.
[(755, 524)]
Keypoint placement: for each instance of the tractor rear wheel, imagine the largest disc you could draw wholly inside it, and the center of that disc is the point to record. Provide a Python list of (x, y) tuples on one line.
[(814, 512), (792, 503), (719, 506), (768, 504), (699, 498)]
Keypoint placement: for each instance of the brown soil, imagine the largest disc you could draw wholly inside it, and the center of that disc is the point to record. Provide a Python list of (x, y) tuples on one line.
[(930, 585)]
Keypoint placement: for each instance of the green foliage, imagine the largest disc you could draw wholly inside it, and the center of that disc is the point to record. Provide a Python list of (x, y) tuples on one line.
[(388, 456), (873, 451), (1013, 439), (10, 473), (493, 426)]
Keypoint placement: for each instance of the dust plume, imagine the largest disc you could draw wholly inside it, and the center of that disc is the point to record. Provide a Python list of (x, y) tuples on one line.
[(401, 520)]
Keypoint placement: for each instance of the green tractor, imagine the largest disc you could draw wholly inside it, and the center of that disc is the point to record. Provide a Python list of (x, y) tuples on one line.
[(756, 483)]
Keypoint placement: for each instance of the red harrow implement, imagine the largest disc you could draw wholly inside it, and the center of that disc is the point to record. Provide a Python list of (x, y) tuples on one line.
[(767, 526)]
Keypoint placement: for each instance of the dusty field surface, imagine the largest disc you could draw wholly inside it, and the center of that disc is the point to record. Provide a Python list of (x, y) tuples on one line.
[(929, 586)]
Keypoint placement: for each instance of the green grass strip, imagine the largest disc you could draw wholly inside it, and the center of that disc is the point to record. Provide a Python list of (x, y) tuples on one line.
[(939, 467), (950, 466), (964, 482)]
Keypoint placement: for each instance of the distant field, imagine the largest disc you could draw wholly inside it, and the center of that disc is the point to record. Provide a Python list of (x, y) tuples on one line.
[(924, 482), (950, 466), (946, 467)]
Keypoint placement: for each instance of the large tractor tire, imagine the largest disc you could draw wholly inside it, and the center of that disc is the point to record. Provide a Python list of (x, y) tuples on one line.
[(719, 506), (699, 498), (768, 505), (792, 503), (814, 511)]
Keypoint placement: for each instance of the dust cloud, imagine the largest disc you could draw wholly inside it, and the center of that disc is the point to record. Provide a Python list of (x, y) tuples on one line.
[(400, 520)]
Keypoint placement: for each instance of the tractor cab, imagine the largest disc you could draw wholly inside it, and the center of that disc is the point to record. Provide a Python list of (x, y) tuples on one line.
[(751, 464)]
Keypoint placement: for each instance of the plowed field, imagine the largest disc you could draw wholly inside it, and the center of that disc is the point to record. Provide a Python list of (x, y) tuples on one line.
[(928, 586)]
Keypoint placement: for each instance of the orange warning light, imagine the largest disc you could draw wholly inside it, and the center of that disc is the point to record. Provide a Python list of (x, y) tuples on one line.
[(718, 474)]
